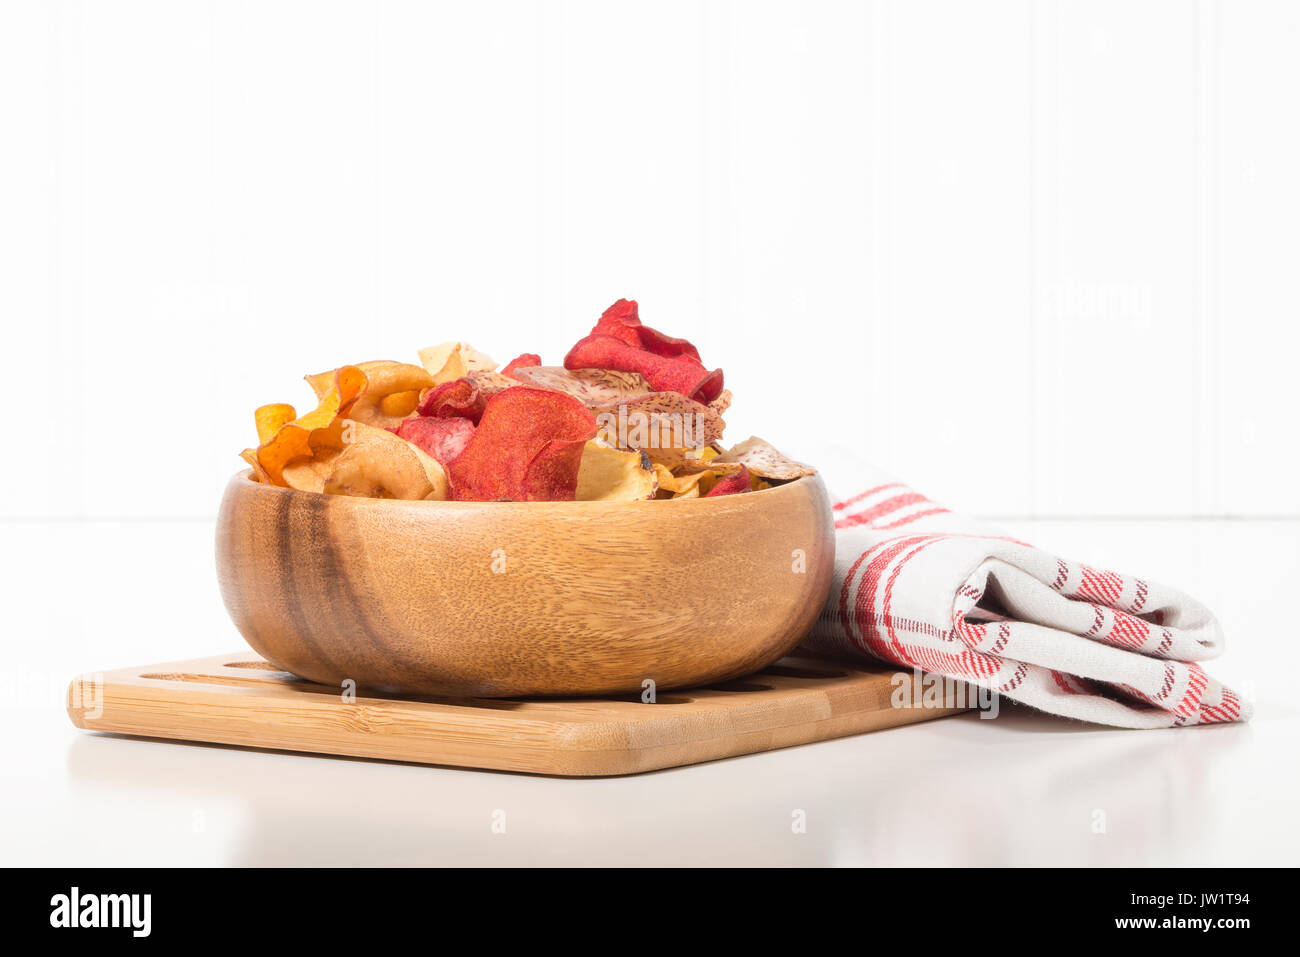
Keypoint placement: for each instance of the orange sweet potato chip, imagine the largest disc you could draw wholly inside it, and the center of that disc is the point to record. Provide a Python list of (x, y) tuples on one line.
[(292, 439), (270, 418), (611, 474), (399, 405)]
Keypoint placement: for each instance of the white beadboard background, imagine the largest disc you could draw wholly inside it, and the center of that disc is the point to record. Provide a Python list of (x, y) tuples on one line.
[(1038, 258)]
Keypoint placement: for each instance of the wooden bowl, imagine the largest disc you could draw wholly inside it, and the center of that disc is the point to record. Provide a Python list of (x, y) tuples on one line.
[(512, 599)]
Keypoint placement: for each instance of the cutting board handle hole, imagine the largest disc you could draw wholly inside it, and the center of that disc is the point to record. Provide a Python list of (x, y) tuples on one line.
[(790, 671), (740, 687)]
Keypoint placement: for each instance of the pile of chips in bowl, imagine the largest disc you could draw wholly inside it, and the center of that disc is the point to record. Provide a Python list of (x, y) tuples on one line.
[(632, 414)]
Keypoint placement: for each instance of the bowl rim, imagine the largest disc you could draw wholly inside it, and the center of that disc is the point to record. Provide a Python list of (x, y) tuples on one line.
[(244, 479)]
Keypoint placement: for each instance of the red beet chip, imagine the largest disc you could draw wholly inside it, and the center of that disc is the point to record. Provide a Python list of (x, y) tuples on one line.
[(664, 373), (459, 399), (731, 484), (444, 439), (623, 322), (527, 448), (522, 361)]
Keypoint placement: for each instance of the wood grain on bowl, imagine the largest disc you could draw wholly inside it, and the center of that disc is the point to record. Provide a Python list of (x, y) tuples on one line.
[(505, 599)]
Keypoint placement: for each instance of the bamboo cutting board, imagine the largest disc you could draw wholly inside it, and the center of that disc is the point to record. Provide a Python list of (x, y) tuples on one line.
[(241, 700)]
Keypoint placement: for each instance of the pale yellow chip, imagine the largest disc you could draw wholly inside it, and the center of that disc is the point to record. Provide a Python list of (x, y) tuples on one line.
[(391, 393), (309, 475), (708, 460), (695, 484), (679, 460), (664, 479), (686, 483), (610, 474), (375, 463), (450, 361)]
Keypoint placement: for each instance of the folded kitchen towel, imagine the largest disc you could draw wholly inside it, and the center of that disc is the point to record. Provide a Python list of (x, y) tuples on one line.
[(920, 587)]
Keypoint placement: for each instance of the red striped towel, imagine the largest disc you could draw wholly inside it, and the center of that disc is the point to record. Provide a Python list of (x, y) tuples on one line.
[(921, 587)]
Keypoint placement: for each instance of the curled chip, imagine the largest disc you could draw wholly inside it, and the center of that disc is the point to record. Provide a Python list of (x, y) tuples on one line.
[(290, 440), (594, 388), (730, 484), (709, 460), (309, 475), (464, 398), (461, 399), (608, 473), (451, 360), (259, 474), (400, 404), (703, 481), (764, 461), (527, 448), (392, 389), (523, 361), (619, 341), (444, 439), (271, 418), (722, 403), (683, 486), (389, 384), (666, 374), (490, 383), (623, 321), (378, 464), (665, 482)]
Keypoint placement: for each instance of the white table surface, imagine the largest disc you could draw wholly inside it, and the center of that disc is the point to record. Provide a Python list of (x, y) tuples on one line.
[(1022, 789)]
